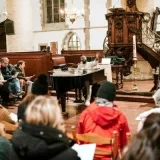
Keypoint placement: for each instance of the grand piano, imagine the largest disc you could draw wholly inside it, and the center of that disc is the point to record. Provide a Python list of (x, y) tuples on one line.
[(64, 81)]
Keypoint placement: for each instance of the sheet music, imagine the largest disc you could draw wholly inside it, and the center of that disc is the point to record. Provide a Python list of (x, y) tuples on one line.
[(14, 117)]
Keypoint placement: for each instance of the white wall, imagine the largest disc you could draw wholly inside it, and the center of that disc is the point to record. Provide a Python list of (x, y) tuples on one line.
[(20, 11), (2, 10), (55, 36), (97, 36), (36, 15), (98, 26)]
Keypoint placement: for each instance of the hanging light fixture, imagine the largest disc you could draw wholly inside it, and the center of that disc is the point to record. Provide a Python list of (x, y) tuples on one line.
[(72, 13)]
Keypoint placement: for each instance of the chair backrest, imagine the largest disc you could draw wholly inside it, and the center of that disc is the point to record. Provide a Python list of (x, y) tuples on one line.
[(99, 140), (128, 137), (58, 60)]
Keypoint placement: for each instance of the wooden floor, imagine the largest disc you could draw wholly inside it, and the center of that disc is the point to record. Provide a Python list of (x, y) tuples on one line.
[(130, 109)]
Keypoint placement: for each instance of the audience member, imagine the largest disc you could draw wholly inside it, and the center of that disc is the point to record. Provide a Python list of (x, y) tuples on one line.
[(5, 149), (39, 87), (20, 68), (8, 74), (4, 90), (145, 145), (102, 117), (42, 135), (141, 117)]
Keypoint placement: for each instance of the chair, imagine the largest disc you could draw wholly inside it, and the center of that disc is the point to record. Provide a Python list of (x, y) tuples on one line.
[(99, 140), (57, 61)]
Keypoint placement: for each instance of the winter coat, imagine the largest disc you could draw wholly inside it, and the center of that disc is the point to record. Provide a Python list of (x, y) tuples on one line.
[(103, 120), (5, 149), (21, 74), (32, 142), (7, 71)]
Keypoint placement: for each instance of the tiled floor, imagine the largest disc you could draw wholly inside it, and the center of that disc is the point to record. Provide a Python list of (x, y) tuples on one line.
[(130, 109)]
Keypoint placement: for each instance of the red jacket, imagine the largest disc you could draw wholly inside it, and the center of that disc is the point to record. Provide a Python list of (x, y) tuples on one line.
[(103, 120)]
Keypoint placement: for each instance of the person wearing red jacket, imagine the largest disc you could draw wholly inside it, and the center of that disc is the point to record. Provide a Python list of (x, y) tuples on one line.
[(102, 117)]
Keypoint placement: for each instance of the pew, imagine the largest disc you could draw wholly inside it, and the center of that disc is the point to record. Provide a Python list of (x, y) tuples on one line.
[(36, 62)]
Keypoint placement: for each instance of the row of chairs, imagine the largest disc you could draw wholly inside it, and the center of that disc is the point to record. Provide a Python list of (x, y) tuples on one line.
[(99, 140)]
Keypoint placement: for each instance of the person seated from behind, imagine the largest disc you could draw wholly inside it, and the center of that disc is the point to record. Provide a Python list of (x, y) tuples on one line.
[(102, 117), (42, 135), (156, 109), (145, 144), (20, 68), (7, 72), (39, 87)]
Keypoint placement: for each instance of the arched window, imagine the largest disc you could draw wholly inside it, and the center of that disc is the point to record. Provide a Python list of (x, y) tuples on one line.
[(74, 43), (52, 11)]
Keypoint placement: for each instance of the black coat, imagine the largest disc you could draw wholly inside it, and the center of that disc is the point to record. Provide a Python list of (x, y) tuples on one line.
[(7, 71), (31, 142)]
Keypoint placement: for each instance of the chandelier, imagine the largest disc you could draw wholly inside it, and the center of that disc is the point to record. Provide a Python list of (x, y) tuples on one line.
[(72, 13)]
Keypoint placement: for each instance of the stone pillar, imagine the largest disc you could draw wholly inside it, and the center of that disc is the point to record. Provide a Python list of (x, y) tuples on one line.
[(87, 24), (20, 12)]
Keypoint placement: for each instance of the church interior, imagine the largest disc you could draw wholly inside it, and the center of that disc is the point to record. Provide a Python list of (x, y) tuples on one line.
[(51, 36)]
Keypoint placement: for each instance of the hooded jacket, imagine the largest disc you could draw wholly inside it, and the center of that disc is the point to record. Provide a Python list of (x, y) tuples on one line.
[(103, 120), (32, 142)]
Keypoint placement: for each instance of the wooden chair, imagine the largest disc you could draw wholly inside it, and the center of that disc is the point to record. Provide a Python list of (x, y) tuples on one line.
[(99, 140), (7, 129)]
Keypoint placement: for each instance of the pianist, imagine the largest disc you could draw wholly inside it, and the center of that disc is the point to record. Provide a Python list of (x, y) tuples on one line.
[(84, 65)]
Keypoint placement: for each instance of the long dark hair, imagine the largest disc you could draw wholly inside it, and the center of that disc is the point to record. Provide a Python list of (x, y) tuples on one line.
[(146, 143)]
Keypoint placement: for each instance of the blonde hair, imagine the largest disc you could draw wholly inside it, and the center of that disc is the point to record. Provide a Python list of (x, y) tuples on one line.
[(44, 110)]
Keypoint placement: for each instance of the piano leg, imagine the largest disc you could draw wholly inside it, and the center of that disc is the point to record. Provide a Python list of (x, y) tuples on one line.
[(62, 97)]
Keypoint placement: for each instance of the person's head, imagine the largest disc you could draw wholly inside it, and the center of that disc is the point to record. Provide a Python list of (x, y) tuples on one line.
[(21, 64), (83, 59), (44, 110), (4, 61), (153, 118), (145, 145), (156, 98), (40, 85), (98, 56), (107, 91)]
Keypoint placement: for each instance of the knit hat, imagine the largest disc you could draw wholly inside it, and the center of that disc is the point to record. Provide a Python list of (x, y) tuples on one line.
[(107, 91), (40, 85)]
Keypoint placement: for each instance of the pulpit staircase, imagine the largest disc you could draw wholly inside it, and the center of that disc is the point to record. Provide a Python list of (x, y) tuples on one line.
[(149, 49)]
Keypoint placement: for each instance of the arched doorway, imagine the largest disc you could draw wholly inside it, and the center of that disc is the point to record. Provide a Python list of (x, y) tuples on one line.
[(3, 46)]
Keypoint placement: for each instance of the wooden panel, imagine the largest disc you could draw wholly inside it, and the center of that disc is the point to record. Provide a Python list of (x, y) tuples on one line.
[(36, 62), (87, 53)]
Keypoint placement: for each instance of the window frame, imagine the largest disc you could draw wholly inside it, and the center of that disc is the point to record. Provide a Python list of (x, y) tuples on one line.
[(77, 42), (60, 19)]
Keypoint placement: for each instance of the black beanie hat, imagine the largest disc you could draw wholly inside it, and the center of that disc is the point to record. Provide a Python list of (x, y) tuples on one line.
[(107, 91), (40, 85)]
